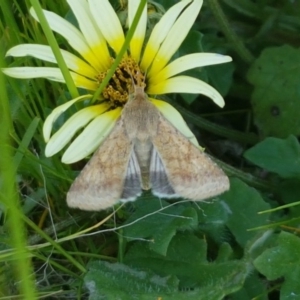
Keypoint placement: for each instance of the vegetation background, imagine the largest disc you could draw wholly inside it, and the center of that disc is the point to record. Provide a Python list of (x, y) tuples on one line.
[(152, 249)]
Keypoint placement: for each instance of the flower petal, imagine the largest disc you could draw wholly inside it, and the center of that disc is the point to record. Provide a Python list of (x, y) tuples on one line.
[(34, 72), (70, 33), (56, 113), (73, 124), (45, 53), (108, 23), (53, 74), (188, 62), (137, 40), (160, 32), (91, 137), (175, 37), (91, 32), (175, 118), (186, 84)]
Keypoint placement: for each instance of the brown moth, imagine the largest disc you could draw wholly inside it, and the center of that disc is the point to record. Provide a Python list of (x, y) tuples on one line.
[(145, 151)]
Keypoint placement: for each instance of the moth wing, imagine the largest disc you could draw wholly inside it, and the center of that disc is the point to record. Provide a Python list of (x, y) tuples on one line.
[(133, 180), (160, 184), (190, 172), (101, 182)]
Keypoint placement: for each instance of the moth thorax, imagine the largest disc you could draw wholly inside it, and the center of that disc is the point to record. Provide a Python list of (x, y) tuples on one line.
[(140, 119)]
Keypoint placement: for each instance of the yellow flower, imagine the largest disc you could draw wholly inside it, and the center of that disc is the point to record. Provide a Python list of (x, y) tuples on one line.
[(98, 42)]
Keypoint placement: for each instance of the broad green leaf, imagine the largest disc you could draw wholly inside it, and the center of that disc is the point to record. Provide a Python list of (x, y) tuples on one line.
[(159, 223), (290, 194), (185, 255), (254, 288), (275, 99), (283, 260), (118, 281), (192, 42), (187, 260), (212, 217), (281, 156), (289, 190), (219, 76), (243, 204)]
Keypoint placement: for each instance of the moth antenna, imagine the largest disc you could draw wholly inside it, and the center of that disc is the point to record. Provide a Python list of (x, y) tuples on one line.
[(132, 82), (140, 81)]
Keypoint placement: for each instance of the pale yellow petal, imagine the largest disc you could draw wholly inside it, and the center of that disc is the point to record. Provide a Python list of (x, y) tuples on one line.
[(160, 32), (64, 135), (56, 113), (186, 84), (137, 40), (175, 118), (74, 37), (53, 74), (175, 37), (188, 62), (91, 137), (85, 83), (91, 32), (45, 53), (108, 23), (34, 72)]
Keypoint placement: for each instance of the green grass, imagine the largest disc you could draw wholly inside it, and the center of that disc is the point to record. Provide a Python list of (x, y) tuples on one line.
[(151, 248)]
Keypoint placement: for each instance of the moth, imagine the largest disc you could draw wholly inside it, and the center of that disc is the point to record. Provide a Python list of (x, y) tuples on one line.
[(145, 151)]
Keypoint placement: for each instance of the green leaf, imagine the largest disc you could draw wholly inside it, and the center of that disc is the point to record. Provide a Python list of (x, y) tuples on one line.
[(243, 204), (283, 260), (187, 260), (275, 99), (185, 255), (118, 281), (220, 77), (192, 43), (252, 288), (212, 217), (277, 155), (159, 223), (289, 190)]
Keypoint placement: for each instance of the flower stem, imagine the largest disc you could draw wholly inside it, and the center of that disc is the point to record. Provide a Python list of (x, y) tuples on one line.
[(246, 177), (55, 48), (240, 48), (235, 135)]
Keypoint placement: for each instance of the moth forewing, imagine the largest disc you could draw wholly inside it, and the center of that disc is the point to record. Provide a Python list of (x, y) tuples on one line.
[(191, 173), (101, 182)]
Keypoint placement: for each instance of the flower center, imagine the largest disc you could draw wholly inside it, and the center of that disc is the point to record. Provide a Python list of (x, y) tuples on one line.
[(127, 74)]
